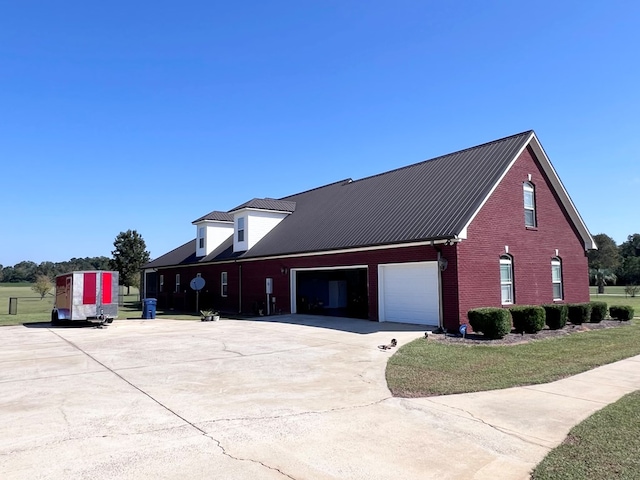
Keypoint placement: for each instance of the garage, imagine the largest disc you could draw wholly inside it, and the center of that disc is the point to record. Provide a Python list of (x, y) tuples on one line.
[(339, 292), (409, 293)]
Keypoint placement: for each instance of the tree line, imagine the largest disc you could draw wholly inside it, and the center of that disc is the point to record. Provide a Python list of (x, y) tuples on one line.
[(615, 264), (129, 255)]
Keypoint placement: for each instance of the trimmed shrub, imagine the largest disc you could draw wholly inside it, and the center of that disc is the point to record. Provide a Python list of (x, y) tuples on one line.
[(621, 312), (492, 322), (598, 311), (527, 318), (579, 313), (556, 315)]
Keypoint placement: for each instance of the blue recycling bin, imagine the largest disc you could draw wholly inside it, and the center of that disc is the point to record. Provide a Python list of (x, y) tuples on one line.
[(149, 308)]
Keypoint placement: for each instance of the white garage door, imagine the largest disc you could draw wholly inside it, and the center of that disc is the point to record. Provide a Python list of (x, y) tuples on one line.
[(408, 293)]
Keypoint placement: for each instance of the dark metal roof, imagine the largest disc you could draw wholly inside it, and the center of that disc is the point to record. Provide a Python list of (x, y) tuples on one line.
[(433, 199), (268, 204), (216, 216)]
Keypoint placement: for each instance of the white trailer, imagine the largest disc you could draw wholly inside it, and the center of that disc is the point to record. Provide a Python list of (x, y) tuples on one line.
[(86, 296)]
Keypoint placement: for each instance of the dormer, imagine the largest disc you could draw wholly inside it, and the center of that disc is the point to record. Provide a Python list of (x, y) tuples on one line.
[(254, 219), (211, 230)]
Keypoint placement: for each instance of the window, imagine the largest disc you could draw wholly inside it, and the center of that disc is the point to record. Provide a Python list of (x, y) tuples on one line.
[(529, 205), (223, 284), (161, 282), (201, 237), (241, 229), (506, 279), (556, 278), (177, 283)]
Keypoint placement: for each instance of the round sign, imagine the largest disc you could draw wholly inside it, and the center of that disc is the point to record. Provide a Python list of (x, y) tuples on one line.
[(197, 283)]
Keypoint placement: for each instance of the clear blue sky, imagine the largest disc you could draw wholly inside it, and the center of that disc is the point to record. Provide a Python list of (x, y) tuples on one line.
[(146, 115)]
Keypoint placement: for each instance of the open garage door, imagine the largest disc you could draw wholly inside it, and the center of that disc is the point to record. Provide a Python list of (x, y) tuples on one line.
[(339, 292), (409, 293)]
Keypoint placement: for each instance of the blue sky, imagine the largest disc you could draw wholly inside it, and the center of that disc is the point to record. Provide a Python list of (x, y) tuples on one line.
[(146, 115)]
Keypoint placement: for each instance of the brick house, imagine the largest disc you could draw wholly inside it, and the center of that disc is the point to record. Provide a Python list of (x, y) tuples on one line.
[(491, 225)]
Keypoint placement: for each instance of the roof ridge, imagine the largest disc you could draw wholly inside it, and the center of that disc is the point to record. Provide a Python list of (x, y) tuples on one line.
[(346, 180), (526, 132)]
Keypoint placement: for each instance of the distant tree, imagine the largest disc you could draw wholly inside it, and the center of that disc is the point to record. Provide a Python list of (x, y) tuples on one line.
[(25, 272), (46, 268), (128, 257), (1, 274), (631, 248), (8, 275), (42, 286), (604, 261), (629, 271)]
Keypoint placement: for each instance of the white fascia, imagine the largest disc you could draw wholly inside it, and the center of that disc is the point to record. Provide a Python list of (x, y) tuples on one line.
[(589, 243)]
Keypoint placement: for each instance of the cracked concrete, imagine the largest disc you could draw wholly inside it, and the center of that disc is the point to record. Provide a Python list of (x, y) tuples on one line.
[(285, 397)]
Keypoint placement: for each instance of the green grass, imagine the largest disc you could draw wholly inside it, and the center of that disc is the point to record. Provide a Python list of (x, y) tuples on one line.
[(33, 310), (604, 446), (427, 367), (30, 307), (619, 300)]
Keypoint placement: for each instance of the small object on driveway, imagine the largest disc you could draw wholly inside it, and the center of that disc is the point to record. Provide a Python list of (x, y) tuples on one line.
[(389, 346)]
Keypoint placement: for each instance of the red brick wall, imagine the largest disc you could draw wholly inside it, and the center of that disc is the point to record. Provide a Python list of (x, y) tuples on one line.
[(500, 222), (254, 274)]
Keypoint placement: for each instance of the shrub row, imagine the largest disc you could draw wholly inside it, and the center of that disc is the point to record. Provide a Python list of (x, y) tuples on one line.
[(497, 322), (492, 322), (621, 312)]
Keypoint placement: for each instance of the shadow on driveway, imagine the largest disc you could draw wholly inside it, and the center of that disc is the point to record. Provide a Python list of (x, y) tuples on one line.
[(351, 325)]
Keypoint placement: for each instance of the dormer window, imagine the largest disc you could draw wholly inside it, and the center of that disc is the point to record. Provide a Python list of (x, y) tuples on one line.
[(241, 229), (529, 205), (201, 237)]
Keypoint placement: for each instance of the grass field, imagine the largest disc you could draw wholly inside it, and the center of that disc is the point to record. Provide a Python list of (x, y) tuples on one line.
[(426, 368), (33, 310)]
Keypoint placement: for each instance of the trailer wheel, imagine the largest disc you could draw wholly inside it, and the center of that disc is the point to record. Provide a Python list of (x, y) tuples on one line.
[(55, 321)]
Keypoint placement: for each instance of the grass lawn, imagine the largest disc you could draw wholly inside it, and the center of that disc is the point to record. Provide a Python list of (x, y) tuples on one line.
[(428, 367), (604, 446), (33, 310)]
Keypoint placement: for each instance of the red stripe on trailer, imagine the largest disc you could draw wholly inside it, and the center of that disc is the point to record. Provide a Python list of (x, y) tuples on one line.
[(106, 288), (89, 291)]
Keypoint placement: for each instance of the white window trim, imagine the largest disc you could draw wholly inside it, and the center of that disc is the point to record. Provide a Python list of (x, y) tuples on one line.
[(224, 283), (556, 262), (201, 237), (507, 260), (161, 282), (242, 228), (529, 188)]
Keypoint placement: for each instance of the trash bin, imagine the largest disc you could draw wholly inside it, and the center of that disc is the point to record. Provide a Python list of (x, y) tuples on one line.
[(149, 308)]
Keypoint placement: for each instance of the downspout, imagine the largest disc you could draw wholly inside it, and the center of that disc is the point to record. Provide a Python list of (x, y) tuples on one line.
[(239, 288), (440, 302)]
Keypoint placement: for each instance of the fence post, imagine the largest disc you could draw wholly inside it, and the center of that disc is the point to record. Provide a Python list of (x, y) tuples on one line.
[(13, 305)]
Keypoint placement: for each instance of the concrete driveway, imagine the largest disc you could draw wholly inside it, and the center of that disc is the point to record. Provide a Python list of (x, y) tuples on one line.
[(298, 397)]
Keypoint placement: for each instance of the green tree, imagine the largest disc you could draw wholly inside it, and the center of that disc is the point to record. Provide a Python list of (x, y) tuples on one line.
[(604, 261), (25, 271), (129, 256), (42, 285), (631, 248)]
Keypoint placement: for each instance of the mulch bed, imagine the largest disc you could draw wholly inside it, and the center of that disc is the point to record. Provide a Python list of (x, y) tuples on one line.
[(516, 338)]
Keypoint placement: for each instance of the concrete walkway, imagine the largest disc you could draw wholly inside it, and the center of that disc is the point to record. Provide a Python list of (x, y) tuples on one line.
[(299, 398)]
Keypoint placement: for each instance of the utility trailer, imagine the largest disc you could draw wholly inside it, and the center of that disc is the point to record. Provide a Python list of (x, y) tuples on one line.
[(86, 296)]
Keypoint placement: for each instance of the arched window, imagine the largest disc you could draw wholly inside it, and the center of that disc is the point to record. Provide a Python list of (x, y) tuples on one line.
[(506, 279), (556, 278), (529, 204)]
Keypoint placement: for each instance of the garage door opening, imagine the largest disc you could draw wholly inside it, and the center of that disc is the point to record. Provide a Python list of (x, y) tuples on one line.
[(332, 292)]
